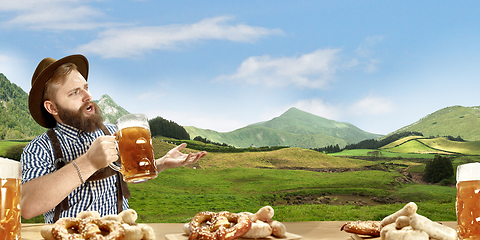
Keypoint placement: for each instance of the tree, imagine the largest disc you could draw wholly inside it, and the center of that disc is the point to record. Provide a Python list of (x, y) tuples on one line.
[(162, 127), (438, 169)]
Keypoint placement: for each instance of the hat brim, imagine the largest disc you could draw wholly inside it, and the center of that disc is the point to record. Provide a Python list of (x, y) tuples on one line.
[(35, 98)]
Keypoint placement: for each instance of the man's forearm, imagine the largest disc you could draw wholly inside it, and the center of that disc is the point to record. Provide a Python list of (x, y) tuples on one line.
[(44, 193)]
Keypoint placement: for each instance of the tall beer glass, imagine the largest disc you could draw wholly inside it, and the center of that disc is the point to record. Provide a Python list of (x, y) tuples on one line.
[(468, 201), (135, 149), (10, 192)]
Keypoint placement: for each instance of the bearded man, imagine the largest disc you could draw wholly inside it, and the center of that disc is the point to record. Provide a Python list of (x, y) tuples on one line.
[(65, 170)]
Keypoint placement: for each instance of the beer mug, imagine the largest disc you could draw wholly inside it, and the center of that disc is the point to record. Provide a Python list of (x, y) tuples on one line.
[(135, 148), (10, 192), (468, 201)]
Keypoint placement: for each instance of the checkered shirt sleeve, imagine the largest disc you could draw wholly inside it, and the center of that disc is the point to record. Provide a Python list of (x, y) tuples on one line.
[(38, 159)]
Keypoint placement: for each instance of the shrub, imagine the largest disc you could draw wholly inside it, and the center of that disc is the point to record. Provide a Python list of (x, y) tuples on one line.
[(438, 169), (15, 152)]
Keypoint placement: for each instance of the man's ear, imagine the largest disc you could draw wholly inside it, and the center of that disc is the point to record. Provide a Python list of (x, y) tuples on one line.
[(50, 107)]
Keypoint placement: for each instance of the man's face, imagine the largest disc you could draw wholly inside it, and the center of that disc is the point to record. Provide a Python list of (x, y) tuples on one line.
[(75, 106)]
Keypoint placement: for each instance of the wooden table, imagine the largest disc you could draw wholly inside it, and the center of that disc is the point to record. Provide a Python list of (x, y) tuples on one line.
[(308, 230)]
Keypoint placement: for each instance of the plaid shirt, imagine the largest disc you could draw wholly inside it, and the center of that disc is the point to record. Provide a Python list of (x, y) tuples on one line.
[(38, 159)]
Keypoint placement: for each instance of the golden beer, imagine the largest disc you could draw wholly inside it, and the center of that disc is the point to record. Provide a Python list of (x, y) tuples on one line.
[(468, 209), (136, 154), (10, 218)]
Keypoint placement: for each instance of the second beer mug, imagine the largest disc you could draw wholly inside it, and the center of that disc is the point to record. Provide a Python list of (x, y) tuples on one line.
[(468, 201), (135, 149)]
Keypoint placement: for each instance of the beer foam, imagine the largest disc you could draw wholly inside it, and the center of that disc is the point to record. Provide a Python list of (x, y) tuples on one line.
[(468, 172), (132, 123), (132, 120), (10, 168)]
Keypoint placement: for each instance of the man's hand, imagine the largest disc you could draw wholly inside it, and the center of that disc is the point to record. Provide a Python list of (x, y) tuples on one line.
[(102, 152), (174, 158)]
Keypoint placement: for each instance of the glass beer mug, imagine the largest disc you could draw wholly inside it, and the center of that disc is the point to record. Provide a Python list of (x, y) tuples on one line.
[(468, 201), (10, 192), (135, 148)]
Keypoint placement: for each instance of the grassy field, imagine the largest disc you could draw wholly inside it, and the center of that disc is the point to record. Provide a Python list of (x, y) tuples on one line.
[(384, 153), (4, 145), (300, 184), (178, 194)]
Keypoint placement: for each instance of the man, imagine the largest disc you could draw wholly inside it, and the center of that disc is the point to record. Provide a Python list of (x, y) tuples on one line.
[(60, 100)]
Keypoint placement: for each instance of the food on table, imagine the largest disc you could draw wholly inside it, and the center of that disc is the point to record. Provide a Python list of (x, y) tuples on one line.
[(89, 225), (207, 225), (371, 228), (407, 224), (433, 229), (219, 226), (278, 229), (259, 229), (390, 232), (408, 210)]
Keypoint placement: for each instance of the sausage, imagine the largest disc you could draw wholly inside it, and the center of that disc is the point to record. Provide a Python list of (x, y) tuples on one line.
[(408, 210), (433, 229)]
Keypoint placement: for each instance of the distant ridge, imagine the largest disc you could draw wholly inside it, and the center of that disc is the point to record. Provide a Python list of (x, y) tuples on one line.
[(450, 121), (294, 128), (110, 110)]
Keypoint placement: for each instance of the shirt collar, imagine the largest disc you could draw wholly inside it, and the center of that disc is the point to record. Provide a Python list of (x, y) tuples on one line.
[(71, 132)]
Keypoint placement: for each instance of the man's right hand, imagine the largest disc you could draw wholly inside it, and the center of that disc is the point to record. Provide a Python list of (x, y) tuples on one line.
[(102, 152)]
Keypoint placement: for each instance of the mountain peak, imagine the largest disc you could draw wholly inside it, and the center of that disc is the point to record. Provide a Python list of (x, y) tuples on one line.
[(111, 111)]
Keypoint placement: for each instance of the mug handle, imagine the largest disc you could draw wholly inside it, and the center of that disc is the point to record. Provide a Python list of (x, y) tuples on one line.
[(113, 165)]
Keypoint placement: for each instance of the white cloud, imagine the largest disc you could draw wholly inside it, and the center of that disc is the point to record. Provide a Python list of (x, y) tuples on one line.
[(320, 108), (135, 41), (372, 105), (366, 54), (311, 70), (368, 106), (52, 15)]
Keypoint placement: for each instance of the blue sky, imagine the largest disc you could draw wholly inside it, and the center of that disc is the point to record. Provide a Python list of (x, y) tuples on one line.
[(221, 65)]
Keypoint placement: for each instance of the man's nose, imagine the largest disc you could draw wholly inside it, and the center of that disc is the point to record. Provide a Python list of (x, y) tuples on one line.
[(86, 95)]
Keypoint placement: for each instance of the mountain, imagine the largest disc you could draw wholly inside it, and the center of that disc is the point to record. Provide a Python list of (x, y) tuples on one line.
[(450, 121), (294, 128), (110, 110), (17, 123)]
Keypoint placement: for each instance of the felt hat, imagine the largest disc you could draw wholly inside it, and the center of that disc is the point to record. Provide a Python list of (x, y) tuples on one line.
[(42, 74)]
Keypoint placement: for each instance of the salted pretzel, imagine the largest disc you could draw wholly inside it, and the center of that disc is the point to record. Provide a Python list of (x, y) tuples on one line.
[(371, 228), (95, 228), (61, 228), (219, 226), (88, 228)]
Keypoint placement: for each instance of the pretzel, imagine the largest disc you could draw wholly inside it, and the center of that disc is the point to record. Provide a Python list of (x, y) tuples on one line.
[(94, 228), (89, 225), (219, 226), (62, 227), (371, 228)]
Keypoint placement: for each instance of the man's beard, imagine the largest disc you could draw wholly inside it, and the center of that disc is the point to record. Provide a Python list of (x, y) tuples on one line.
[(79, 120)]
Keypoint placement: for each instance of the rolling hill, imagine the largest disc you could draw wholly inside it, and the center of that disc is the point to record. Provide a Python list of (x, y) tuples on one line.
[(450, 121), (294, 128), (438, 145)]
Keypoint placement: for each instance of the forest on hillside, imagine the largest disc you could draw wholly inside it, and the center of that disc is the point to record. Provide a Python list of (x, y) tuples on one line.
[(14, 113)]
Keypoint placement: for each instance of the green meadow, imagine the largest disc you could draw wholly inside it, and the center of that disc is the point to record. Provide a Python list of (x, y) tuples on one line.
[(300, 184)]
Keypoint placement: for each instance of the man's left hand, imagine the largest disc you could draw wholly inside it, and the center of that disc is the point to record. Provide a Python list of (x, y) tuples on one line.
[(174, 158)]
